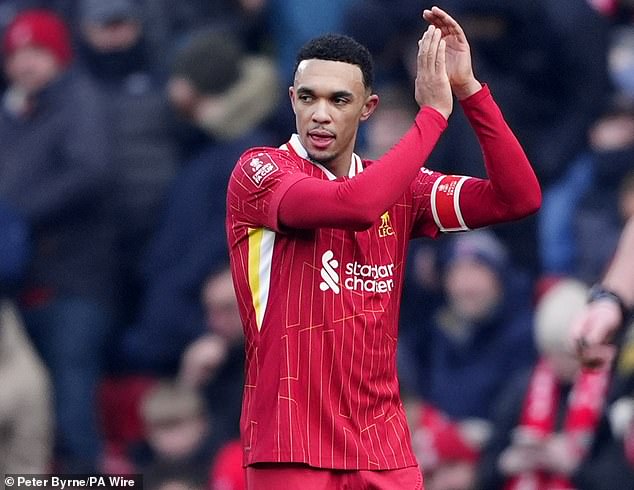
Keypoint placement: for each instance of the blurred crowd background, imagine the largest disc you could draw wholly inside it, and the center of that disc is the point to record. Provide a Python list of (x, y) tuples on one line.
[(120, 341)]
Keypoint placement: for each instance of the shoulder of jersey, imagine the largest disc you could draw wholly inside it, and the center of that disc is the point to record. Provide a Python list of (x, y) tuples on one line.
[(260, 162)]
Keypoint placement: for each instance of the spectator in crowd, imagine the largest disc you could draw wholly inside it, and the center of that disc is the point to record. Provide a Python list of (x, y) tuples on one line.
[(171, 23), (214, 363), (220, 106), (227, 95), (10, 8), (143, 150), (177, 430), (548, 416), (389, 121), (476, 339), (54, 172), (26, 415)]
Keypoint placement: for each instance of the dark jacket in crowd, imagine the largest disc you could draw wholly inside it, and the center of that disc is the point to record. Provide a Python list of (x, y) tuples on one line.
[(143, 151), (462, 377), (54, 171)]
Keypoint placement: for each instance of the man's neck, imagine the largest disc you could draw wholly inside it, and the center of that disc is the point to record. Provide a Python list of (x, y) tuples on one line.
[(339, 167), (347, 164)]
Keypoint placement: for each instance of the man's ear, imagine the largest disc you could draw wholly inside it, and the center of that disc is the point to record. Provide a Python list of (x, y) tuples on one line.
[(370, 105), (291, 95)]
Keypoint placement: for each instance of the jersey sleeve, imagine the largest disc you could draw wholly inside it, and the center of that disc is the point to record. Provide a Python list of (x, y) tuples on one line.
[(511, 190), (258, 182), (436, 202), (447, 203)]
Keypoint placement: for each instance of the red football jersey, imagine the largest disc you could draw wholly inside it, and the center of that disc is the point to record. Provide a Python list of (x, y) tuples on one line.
[(320, 310)]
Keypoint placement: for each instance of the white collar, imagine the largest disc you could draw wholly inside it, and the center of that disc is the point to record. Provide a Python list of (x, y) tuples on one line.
[(356, 167)]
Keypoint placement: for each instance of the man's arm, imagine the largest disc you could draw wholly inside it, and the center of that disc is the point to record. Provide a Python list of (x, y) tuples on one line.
[(81, 173), (512, 190), (610, 300), (358, 202)]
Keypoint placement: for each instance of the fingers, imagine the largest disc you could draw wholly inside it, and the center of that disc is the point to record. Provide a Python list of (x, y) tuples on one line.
[(597, 356), (592, 334), (443, 21), (432, 87), (597, 323), (423, 47), (441, 66), (578, 331), (432, 51), (432, 54)]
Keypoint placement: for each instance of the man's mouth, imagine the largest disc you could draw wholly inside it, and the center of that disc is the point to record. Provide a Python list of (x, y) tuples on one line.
[(320, 139)]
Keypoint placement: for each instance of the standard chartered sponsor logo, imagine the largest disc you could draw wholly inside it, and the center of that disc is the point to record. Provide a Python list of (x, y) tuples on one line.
[(371, 278), (328, 272)]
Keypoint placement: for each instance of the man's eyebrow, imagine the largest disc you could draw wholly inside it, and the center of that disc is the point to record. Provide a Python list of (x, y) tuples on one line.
[(305, 91), (334, 95), (342, 93)]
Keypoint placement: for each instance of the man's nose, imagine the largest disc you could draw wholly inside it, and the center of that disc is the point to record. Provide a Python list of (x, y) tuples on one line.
[(321, 113)]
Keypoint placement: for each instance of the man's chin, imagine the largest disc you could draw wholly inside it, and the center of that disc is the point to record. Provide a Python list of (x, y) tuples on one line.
[(321, 157)]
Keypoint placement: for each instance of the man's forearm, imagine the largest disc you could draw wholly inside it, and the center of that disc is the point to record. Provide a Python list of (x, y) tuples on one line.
[(620, 275), (511, 190)]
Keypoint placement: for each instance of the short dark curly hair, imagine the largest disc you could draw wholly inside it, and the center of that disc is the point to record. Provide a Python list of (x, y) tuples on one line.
[(339, 47)]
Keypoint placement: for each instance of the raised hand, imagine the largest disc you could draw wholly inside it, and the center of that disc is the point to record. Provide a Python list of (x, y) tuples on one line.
[(593, 332), (595, 328), (202, 360), (432, 87), (458, 53)]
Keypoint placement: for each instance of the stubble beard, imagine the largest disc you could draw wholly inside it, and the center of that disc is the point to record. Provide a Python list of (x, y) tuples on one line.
[(324, 160)]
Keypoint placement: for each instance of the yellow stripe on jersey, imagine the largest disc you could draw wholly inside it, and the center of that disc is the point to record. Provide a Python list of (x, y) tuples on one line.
[(261, 242)]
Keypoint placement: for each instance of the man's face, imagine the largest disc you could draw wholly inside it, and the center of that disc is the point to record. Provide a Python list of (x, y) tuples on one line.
[(31, 68), (221, 307), (112, 37), (473, 289), (329, 100), (178, 438)]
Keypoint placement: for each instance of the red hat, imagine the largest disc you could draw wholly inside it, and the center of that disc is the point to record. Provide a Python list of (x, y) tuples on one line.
[(39, 28)]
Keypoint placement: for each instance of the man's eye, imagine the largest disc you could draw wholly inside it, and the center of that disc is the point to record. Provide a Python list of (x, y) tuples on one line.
[(341, 100), (305, 98)]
